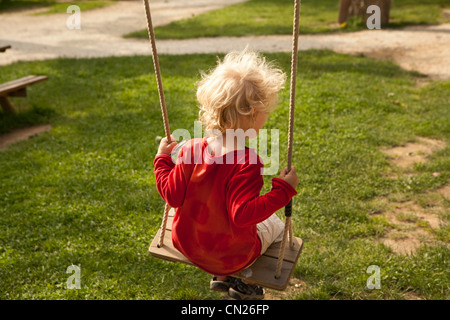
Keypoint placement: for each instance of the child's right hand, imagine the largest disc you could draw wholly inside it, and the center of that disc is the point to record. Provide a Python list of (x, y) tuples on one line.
[(165, 147), (290, 177)]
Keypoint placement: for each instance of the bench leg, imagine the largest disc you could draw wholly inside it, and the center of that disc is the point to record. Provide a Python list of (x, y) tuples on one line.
[(6, 105)]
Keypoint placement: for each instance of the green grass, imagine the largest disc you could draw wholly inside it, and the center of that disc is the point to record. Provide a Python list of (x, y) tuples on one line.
[(11, 5), (52, 6), (84, 6), (84, 193), (262, 17)]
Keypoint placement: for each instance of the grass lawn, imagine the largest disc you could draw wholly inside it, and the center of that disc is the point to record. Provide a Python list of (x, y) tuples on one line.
[(53, 6), (262, 17), (84, 193)]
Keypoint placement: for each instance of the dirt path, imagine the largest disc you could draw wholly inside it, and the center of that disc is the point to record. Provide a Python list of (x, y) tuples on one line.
[(37, 37), (424, 49)]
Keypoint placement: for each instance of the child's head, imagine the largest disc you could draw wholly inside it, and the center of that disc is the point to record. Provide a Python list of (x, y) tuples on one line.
[(239, 93)]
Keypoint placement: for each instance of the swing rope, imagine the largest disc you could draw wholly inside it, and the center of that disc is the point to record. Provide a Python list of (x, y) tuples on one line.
[(288, 209), (287, 235), (163, 106)]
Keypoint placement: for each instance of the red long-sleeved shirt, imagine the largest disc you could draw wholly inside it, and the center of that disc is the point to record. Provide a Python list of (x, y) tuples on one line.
[(218, 205)]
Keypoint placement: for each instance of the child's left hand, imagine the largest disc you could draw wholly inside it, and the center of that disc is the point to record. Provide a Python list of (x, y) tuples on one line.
[(165, 147)]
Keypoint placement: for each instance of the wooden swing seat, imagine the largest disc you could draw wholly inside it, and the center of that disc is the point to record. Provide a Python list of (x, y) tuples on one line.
[(261, 272)]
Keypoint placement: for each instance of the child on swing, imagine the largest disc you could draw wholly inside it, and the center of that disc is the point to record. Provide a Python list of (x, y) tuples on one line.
[(222, 224)]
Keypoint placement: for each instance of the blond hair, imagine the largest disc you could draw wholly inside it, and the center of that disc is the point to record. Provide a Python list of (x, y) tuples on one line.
[(242, 81)]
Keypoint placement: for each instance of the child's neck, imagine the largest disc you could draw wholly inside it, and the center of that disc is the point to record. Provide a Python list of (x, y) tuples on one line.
[(220, 145)]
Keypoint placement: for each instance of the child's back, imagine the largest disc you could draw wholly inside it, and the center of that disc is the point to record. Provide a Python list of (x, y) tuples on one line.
[(218, 206)]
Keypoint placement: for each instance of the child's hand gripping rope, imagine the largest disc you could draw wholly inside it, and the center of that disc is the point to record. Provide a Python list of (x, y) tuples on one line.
[(290, 177), (165, 147)]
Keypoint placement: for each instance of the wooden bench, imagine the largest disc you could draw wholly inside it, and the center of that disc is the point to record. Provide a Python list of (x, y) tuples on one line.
[(16, 88)]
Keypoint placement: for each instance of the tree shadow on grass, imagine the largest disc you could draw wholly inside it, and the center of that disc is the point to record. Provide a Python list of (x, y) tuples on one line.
[(10, 6)]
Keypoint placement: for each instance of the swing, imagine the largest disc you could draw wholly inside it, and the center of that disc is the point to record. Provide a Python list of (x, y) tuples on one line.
[(274, 268)]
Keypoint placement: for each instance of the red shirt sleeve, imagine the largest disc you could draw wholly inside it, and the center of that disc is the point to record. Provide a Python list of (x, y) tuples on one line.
[(244, 204), (171, 179)]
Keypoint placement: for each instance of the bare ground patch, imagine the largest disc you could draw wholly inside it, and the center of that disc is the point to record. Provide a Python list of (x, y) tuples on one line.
[(412, 226), (413, 221), (413, 152), (22, 134), (412, 296), (294, 287), (445, 192)]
